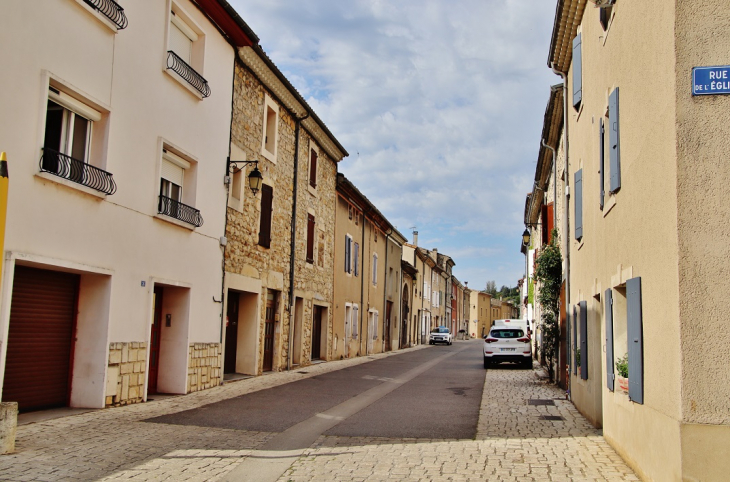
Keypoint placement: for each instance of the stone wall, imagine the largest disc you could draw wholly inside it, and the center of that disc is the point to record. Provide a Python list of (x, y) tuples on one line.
[(126, 373), (204, 362)]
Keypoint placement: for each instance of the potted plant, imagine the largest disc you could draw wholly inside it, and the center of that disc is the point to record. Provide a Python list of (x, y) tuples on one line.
[(622, 370)]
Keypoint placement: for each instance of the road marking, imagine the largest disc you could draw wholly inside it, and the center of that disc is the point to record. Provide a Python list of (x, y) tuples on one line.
[(276, 456)]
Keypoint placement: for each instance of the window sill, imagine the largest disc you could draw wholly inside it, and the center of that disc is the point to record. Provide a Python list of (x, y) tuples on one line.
[(99, 16), (70, 184), (312, 190), (175, 221), (268, 155), (184, 83), (235, 204)]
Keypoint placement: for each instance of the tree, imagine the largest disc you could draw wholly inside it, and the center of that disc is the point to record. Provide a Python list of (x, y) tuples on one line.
[(549, 275), (491, 288)]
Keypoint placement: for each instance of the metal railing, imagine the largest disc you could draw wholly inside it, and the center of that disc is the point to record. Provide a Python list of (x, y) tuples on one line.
[(67, 167), (181, 68), (111, 10), (176, 209)]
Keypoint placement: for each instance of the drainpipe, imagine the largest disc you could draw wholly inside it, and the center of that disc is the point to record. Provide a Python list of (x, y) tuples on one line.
[(564, 76), (292, 256)]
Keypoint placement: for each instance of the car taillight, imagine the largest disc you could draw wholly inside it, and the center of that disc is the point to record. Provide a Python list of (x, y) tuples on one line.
[(490, 340), (523, 340)]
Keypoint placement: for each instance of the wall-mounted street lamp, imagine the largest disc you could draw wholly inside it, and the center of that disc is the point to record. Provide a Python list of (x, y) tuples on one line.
[(255, 178), (526, 237)]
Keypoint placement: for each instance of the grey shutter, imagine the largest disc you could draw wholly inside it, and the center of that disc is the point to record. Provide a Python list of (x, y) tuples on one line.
[(613, 141), (583, 340), (348, 241), (608, 306), (578, 204), (601, 159), (577, 72), (575, 340), (634, 331), (356, 259)]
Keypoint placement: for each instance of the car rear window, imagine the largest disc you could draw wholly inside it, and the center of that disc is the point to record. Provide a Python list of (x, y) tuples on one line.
[(507, 333), (440, 330)]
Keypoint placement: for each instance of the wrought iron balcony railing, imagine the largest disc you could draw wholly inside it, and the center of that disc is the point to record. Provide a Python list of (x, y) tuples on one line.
[(181, 68), (176, 209), (111, 10), (67, 167)]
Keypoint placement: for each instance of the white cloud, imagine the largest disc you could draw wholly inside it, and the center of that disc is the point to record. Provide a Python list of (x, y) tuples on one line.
[(442, 100)]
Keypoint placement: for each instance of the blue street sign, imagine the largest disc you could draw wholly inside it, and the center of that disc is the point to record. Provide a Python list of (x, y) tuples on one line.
[(711, 80)]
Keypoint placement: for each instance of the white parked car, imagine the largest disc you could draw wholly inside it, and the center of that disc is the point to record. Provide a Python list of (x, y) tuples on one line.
[(504, 344), (440, 335)]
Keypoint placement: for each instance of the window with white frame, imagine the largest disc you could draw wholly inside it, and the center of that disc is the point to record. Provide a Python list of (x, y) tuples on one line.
[(185, 50), (348, 254), (270, 129), (177, 181)]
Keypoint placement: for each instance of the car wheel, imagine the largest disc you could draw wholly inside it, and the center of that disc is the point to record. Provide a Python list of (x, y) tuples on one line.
[(486, 362)]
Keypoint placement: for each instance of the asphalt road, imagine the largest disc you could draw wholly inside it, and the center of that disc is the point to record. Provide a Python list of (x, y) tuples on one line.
[(434, 393)]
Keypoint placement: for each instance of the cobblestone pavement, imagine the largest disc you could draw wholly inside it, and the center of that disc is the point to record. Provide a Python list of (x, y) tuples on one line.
[(512, 443)]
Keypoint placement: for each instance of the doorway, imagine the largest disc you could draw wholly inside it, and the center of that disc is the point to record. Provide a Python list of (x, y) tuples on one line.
[(229, 361), (269, 321), (155, 337), (386, 327), (317, 333), (297, 331)]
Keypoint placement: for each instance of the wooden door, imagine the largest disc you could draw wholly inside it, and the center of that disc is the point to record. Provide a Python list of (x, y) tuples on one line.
[(155, 341), (229, 361), (39, 359), (386, 328), (317, 333), (269, 331)]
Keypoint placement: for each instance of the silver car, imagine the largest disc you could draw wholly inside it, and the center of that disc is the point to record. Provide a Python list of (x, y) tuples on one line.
[(507, 345)]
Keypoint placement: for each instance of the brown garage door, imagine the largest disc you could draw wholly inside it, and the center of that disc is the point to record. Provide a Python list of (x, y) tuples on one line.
[(42, 316)]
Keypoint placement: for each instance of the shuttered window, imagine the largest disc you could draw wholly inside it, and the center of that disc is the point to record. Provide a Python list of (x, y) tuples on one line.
[(310, 238), (578, 204), (614, 145), (267, 203), (375, 269), (601, 161), (634, 331), (313, 169), (348, 257), (608, 307), (356, 259), (575, 340), (583, 340), (577, 72)]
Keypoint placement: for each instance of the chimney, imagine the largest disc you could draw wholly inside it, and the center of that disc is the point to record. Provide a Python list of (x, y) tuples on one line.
[(415, 238)]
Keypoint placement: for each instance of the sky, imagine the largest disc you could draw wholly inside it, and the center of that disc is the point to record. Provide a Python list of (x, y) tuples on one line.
[(440, 105)]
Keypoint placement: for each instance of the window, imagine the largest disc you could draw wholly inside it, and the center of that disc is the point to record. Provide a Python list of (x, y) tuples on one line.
[(310, 238), (175, 174), (375, 234), (269, 137), (605, 15), (578, 204), (349, 211), (348, 254), (313, 170), (373, 329), (608, 309), (356, 259), (583, 306), (614, 146), (375, 269), (355, 321), (185, 48), (267, 204), (577, 72)]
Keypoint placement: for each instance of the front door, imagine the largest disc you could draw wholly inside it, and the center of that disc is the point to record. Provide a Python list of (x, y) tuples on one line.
[(316, 332), (229, 362), (386, 328), (155, 341), (269, 331)]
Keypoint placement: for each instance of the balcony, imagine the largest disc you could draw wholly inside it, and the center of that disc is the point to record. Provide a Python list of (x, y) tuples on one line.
[(176, 209), (67, 167), (111, 10), (181, 68)]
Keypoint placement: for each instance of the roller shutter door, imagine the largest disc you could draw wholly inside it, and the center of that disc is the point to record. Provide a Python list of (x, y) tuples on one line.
[(42, 315)]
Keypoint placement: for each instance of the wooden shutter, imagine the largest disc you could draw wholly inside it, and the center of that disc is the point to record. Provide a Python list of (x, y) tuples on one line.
[(577, 72), (613, 142), (608, 306), (578, 204), (267, 198), (575, 340), (313, 169), (634, 329), (310, 238), (545, 229), (550, 221), (583, 340), (601, 160)]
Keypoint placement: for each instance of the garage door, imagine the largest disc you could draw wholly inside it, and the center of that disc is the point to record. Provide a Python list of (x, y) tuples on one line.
[(42, 317)]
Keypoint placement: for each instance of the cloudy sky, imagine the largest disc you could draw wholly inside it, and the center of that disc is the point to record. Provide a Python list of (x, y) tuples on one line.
[(439, 104)]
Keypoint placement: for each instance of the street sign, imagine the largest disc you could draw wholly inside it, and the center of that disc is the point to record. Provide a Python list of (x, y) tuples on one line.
[(711, 80)]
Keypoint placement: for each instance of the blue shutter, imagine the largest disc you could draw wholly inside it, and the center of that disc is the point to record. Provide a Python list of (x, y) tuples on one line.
[(578, 204), (583, 340), (601, 158), (613, 141), (577, 72), (575, 341), (608, 306), (635, 340)]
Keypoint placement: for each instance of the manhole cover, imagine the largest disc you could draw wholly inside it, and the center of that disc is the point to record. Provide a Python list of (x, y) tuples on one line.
[(540, 401), (551, 417)]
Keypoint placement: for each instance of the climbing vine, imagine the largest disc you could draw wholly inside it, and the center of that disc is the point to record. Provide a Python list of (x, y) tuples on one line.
[(549, 275)]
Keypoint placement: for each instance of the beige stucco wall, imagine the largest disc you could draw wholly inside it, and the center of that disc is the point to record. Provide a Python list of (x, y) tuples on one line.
[(60, 226), (636, 233)]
